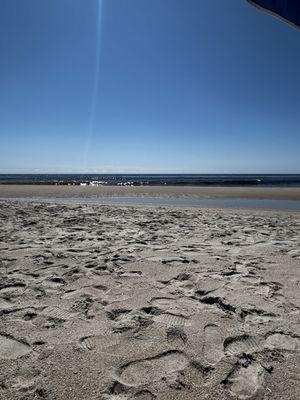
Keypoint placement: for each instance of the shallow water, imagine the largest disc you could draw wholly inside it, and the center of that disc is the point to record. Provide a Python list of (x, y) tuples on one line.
[(219, 203)]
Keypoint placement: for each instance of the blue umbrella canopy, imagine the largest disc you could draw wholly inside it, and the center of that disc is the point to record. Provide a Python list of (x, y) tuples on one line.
[(286, 10)]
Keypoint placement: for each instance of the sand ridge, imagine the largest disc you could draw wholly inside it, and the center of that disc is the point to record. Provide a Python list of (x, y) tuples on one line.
[(114, 303)]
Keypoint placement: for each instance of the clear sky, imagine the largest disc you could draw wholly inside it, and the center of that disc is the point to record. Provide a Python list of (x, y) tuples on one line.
[(147, 86)]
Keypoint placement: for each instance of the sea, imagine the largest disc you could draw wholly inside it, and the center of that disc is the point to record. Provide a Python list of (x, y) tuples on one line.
[(225, 180)]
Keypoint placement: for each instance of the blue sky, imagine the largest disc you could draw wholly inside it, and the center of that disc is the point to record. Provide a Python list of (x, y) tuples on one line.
[(147, 86)]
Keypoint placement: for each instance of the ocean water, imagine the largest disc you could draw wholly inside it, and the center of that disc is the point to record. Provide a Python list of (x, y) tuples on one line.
[(270, 180)]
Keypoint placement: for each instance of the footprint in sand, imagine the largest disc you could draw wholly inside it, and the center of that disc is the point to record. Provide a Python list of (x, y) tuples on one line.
[(249, 344), (58, 313), (242, 344), (11, 348), (282, 341), (99, 342), (213, 344), (150, 370), (171, 320), (247, 383), (173, 311), (24, 380)]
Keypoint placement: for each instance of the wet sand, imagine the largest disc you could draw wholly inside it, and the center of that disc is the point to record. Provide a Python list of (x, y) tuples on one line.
[(192, 192), (113, 303)]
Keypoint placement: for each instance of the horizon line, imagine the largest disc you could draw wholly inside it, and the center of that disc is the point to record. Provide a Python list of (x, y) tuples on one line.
[(150, 173)]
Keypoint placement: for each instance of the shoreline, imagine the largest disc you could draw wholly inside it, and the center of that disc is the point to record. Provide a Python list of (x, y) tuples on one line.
[(187, 192)]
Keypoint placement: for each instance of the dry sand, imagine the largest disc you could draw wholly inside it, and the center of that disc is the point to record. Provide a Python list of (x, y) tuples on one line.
[(108, 302), (193, 192)]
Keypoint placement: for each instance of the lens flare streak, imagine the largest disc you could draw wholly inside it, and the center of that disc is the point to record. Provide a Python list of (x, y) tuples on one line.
[(95, 91)]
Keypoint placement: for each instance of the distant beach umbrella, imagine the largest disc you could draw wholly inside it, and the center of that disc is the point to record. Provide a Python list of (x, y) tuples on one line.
[(287, 10)]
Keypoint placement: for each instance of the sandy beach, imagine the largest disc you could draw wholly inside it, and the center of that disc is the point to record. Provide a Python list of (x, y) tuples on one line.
[(110, 302)]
